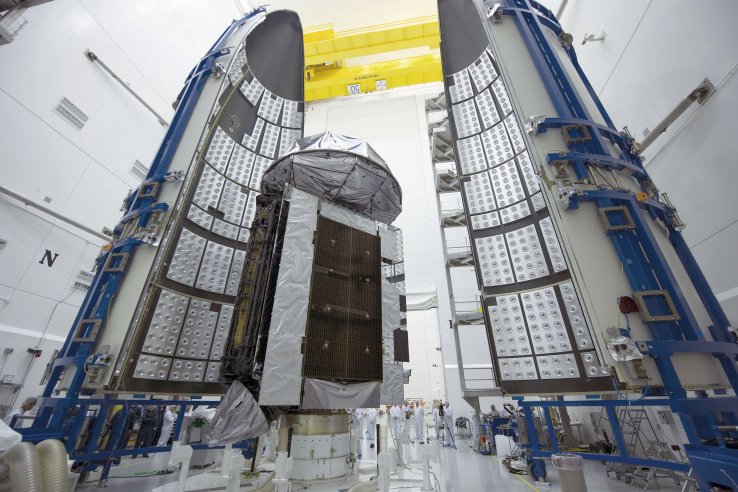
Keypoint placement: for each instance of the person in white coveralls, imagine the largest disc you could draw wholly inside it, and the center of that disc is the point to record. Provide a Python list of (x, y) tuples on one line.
[(419, 417), (371, 422), (26, 407), (166, 427), (356, 424), (395, 414), (474, 425), (437, 422)]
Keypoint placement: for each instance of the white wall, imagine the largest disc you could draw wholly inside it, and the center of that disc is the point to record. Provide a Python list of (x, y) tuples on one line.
[(83, 174), (426, 381), (654, 54)]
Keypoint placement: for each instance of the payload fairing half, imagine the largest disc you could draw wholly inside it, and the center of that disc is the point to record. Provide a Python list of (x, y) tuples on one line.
[(533, 143)]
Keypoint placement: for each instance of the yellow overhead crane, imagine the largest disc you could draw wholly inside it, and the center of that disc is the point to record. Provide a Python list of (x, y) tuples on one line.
[(326, 74)]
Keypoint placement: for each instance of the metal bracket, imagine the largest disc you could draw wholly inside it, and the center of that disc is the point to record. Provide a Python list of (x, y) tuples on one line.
[(640, 297), (674, 219), (219, 70), (566, 198), (148, 190), (574, 134), (533, 123), (173, 176), (605, 219), (566, 39), (704, 91), (631, 142), (560, 168), (495, 13), (152, 214), (82, 327), (147, 238), (116, 262)]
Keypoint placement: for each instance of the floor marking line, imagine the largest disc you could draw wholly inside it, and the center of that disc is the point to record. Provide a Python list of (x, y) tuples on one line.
[(530, 485)]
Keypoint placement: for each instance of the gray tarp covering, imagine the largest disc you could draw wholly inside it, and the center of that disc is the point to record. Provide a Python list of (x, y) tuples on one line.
[(347, 217), (391, 243), (390, 318), (282, 378), (238, 417), (392, 389), (326, 395), (329, 140), (340, 169)]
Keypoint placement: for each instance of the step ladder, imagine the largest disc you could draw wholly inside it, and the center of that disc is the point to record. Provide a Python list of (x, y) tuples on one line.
[(644, 474)]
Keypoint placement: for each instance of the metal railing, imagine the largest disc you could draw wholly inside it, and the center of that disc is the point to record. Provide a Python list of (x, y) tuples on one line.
[(467, 305)]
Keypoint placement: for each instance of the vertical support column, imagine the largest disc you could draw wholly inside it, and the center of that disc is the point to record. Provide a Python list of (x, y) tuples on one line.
[(617, 430)]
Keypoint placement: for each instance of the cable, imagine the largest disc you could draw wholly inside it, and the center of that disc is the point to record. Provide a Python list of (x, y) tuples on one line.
[(51, 316), (451, 435), (5, 359), (144, 474), (410, 469), (134, 475)]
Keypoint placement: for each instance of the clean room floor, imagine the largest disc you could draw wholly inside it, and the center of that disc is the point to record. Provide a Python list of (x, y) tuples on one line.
[(464, 470), (458, 470)]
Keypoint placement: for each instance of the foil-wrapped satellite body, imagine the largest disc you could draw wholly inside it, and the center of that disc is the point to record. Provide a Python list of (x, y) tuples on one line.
[(318, 312)]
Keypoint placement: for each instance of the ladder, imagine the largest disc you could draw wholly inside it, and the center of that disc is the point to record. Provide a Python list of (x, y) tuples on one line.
[(635, 424), (655, 450), (629, 420)]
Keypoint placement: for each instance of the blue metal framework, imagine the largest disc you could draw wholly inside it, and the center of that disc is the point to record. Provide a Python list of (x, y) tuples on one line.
[(506, 426), (610, 408), (92, 434), (672, 323), (141, 214)]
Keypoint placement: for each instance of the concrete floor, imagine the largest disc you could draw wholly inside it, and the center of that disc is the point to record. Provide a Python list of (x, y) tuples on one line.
[(458, 470)]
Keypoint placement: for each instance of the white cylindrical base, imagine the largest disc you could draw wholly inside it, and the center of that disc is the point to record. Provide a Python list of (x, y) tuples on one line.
[(319, 456)]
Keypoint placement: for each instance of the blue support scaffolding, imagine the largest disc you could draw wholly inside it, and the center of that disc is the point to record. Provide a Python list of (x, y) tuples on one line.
[(65, 418), (672, 323)]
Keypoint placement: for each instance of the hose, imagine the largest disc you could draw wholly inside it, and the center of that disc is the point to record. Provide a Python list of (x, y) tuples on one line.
[(53, 457), (365, 486), (25, 468)]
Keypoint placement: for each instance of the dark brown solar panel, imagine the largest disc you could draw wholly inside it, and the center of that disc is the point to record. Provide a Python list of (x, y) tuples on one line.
[(343, 339)]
